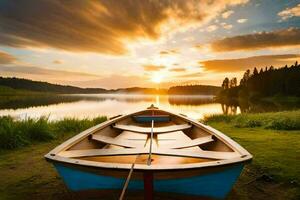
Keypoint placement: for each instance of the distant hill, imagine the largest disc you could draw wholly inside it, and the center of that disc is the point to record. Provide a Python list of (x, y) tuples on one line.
[(194, 90), (38, 86), (27, 85), (138, 90)]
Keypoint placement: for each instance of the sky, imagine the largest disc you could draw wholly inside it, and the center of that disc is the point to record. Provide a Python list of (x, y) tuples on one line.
[(145, 43)]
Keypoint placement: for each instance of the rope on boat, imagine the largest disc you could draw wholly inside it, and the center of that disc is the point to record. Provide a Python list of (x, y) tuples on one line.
[(151, 139), (128, 179)]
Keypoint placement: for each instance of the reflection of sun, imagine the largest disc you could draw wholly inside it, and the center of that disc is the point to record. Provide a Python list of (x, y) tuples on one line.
[(157, 78)]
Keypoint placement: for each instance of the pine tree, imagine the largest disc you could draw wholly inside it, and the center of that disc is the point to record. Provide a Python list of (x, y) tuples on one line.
[(255, 72)]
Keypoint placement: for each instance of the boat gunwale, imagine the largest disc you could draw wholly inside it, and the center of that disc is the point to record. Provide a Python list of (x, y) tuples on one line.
[(53, 156)]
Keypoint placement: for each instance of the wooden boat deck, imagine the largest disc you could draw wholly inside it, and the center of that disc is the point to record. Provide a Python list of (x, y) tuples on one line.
[(142, 159), (173, 140)]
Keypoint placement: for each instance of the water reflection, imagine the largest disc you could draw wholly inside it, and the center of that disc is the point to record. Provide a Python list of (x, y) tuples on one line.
[(91, 105)]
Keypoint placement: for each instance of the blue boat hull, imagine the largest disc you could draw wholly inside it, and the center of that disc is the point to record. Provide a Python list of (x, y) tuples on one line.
[(215, 184)]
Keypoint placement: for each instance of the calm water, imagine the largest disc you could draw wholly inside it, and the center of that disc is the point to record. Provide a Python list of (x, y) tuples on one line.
[(91, 105)]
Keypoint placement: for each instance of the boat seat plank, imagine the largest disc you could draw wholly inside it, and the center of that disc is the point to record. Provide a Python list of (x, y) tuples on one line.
[(139, 129), (116, 141), (135, 139), (192, 143), (171, 152), (101, 152), (181, 138)]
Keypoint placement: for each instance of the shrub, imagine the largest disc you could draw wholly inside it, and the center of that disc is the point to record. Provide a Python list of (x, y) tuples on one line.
[(18, 133), (10, 136), (284, 124)]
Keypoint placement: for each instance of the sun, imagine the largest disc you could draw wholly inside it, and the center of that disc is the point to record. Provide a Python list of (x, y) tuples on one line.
[(157, 78)]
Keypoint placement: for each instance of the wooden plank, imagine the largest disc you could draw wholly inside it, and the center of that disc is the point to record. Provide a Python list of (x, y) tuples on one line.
[(192, 143), (101, 152), (179, 138), (139, 129), (198, 154), (118, 142), (184, 153)]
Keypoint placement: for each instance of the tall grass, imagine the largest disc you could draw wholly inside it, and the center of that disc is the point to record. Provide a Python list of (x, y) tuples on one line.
[(18, 133), (287, 120)]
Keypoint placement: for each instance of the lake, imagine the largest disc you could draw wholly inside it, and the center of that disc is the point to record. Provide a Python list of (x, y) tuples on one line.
[(91, 105)]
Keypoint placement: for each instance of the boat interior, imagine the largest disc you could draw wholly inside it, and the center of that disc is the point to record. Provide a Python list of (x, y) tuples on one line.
[(151, 137)]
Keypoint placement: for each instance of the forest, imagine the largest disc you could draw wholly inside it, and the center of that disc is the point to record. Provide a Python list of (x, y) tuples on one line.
[(39, 86), (194, 90), (265, 82)]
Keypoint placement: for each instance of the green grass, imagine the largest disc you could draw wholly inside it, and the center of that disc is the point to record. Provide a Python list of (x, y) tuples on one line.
[(274, 141), (286, 120), (26, 175), (18, 133)]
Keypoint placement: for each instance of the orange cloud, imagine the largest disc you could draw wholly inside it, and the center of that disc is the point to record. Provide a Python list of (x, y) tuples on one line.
[(179, 69), (6, 58), (241, 64), (227, 14), (262, 40), (290, 12), (153, 67), (57, 61), (100, 26)]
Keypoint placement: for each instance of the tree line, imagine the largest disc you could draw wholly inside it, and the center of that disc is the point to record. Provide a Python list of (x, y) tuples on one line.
[(265, 82), (194, 90)]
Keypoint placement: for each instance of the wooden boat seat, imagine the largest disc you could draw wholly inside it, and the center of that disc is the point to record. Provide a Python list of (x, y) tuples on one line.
[(166, 129), (149, 118), (216, 155), (116, 141), (192, 143)]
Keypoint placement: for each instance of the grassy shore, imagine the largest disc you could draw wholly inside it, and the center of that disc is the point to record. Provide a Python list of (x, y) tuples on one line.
[(19, 133), (273, 174), (274, 140)]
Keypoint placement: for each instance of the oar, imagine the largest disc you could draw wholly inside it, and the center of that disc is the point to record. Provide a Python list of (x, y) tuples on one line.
[(151, 139), (128, 179)]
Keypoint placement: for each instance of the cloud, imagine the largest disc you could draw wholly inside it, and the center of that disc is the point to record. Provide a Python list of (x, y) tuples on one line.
[(227, 14), (262, 40), (105, 82), (290, 12), (19, 69), (100, 26), (226, 26), (212, 28), (153, 67), (42, 74), (241, 64), (6, 58), (179, 69), (191, 75), (241, 21), (57, 61), (170, 51)]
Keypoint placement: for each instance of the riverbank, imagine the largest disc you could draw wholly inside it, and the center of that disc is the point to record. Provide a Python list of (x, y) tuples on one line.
[(272, 174)]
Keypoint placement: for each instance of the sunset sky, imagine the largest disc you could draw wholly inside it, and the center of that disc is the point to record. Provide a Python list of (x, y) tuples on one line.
[(126, 43)]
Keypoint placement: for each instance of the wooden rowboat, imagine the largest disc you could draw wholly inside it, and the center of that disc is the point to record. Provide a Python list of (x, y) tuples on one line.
[(150, 150)]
